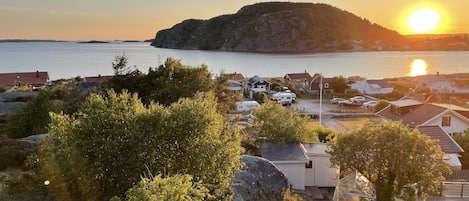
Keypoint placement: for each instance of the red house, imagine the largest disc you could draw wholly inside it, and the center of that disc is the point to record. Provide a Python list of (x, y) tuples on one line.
[(35, 79)]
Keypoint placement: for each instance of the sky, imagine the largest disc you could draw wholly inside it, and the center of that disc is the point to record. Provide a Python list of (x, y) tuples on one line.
[(141, 19)]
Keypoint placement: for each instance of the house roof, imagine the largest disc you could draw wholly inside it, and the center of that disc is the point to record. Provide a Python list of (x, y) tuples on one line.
[(381, 83), (237, 77), (315, 148), (34, 78), (298, 76), (98, 78), (406, 102), (446, 142), (324, 80), (283, 152), (415, 117)]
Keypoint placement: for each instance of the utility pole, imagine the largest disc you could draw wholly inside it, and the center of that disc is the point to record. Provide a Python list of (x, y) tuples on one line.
[(320, 100)]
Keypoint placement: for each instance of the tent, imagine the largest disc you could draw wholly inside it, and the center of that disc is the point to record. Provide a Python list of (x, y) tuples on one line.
[(354, 187)]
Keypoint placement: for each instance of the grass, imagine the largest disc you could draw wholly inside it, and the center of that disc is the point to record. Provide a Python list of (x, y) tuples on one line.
[(354, 123)]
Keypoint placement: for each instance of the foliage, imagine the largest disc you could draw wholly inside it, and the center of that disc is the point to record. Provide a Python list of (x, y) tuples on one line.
[(2, 88), (225, 97), (260, 96), (174, 188), (103, 150), (341, 83), (463, 141), (31, 119), (29, 185), (392, 157), (293, 89), (324, 134), (164, 85), (381, 105), (120, 65), (13, 153), (276, 87), (279, 124)]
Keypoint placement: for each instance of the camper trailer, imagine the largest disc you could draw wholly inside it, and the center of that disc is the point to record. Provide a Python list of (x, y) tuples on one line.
[(284, 98), (245, 106)]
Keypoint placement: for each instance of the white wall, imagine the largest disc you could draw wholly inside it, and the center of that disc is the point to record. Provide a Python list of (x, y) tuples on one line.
[(457, 124), (295, 173), (321, 174)]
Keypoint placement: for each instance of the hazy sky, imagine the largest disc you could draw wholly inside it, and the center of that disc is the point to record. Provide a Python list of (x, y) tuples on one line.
[(141, 19)]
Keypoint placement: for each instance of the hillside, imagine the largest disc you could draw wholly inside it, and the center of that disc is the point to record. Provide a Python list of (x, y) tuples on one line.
[(280, 27)]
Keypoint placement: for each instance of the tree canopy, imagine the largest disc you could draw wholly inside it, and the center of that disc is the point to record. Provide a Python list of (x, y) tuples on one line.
[(278, 124), (392, 157), (107, 146), (463, 140)]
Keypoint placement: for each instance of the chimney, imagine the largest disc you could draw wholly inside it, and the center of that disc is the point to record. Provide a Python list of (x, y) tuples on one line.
[(37, 73)]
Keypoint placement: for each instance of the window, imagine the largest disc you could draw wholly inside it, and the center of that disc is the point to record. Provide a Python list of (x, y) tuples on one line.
[(309, 164), (446, 121)]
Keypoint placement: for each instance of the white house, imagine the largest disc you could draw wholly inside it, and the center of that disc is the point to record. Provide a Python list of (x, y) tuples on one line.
[(372, 87), (303, 164)]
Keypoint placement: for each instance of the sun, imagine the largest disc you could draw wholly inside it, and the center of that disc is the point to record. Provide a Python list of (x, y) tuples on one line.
[(418, 67), (423, 20)]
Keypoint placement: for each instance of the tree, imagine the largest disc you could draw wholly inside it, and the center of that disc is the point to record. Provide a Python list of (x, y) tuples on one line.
[(324, 134), (225, 97), (278, 124), (31, 119), (174, 188), (381, 105), (341, 83), (120, 65), (463, 141), (392, 157), (104, 149)]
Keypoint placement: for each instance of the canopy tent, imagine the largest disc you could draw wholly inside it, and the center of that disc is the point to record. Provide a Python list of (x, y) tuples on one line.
[(354, 187)]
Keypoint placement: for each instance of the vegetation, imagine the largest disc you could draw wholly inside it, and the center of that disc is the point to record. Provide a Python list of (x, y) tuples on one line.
[(341, 84), (278, 124), (463, 141), (381, 105), (392, 157), (174, 188), (31, 119), (103, 150), (324, 134), (13, 153)]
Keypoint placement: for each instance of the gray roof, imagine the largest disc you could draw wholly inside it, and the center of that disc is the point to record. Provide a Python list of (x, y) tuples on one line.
[(283, 152), (381, 83), (446, 142)]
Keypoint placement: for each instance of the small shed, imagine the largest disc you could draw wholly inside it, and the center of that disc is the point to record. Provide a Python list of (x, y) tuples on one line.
[(289, 158), (353, 187), (320, 172)]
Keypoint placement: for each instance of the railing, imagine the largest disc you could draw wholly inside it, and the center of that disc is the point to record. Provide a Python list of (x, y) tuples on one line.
[(456, 184), (458, 175)]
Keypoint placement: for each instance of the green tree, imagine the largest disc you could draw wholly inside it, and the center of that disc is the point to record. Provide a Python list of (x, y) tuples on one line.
[(105, 148), (175, 188), (32, 119), (392, 157), (463, 141), (324, 134), (278, 124), (341, 84), (225, 97)]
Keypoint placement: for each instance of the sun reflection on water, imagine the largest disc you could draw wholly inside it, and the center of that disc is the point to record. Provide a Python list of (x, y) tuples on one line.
[(418, 67)]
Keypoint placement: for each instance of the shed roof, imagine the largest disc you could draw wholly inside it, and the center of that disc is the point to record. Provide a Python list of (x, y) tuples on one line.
[(415, 117), (283, 152), (297, 76), (381, 83), (446, 142)]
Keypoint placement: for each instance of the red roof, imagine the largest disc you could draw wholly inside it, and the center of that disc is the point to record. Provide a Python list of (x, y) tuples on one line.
[(446, 143), (98, 79), (413, 117), (237, 77), (299, 76), (33, 78)]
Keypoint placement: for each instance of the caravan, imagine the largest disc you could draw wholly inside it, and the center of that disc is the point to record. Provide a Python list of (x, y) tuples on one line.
[(284, 98), (246, 106)]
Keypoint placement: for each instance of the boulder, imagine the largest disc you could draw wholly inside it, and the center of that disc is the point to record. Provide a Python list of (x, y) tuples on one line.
[(8, 108), (21, 96), (259, 180)]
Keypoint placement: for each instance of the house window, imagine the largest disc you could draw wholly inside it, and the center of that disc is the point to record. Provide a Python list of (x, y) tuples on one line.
[(446, 121), (309, 164)]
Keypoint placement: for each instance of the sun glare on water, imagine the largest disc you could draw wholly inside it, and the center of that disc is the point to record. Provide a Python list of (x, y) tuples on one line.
[(418, 67)]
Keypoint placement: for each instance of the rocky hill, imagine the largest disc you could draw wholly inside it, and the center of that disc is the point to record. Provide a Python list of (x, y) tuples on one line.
[(280, 27)]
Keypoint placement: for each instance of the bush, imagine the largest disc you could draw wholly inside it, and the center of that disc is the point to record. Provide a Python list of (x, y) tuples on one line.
[(2, 89), (381, 105)]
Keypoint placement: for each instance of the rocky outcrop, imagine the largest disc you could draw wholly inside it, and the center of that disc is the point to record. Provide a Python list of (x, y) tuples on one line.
[(11, 102), (259, 180), (279, 27)]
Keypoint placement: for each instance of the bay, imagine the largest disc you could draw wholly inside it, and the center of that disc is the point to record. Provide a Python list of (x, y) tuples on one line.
[(71, 59)]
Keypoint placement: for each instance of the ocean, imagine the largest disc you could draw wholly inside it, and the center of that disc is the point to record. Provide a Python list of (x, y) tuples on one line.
[(71, 59)]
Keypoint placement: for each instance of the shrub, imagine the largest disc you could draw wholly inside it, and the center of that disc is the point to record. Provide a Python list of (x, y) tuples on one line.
[(381, 105), (13, 153)]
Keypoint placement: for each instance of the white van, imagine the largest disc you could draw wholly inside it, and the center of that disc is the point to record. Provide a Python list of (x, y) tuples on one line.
[(245, 106)]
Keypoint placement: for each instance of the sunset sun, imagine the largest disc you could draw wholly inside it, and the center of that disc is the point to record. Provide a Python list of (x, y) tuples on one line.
[(423, 20)]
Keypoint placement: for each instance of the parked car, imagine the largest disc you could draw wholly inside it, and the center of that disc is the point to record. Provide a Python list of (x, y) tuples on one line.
[(336, 100), (358, 99), (369, 104)]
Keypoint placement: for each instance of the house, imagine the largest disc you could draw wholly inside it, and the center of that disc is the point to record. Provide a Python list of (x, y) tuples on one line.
[(97, 79), (303, 164), (35, 79), (300, 80), (372, 87), (414, 113), (257, 84), (438, 121), (447, 144), (238, 77), (436, 83), (327, 83)]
